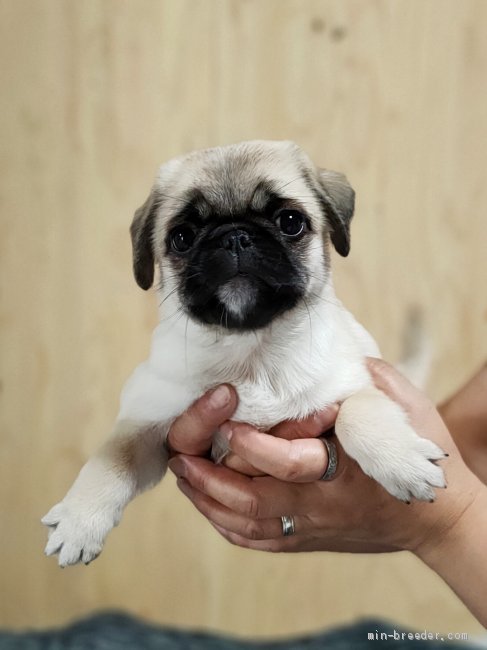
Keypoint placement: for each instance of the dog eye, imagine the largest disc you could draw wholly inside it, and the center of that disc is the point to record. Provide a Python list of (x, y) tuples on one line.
[(182, 238), (290, 222)]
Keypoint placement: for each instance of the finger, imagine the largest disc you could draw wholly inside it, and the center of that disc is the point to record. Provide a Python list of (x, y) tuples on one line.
[(265, 497), (311, 427), (391, 381), (401, 390), (257, 498), (279, 545), (232, 461), (228, 519), (298, 543), (300, 461), (192, 432)]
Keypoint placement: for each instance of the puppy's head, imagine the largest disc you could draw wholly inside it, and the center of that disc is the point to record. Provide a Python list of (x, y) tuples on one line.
[(240, 233)]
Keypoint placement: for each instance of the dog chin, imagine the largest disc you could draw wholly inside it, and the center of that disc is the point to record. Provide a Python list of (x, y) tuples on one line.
[(243, 304), (239, 296)]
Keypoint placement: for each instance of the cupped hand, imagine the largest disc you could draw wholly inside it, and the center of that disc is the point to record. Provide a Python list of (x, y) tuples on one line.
[(350, 513), (193, 431)]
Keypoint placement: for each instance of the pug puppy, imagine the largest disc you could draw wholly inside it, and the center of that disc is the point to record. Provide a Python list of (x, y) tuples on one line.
[(241, 238)]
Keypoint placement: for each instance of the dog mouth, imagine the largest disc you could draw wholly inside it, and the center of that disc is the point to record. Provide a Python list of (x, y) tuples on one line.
[(238, 295), (243, 302)]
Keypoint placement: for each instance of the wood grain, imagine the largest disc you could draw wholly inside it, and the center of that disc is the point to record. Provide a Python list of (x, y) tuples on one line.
[(95, 94)]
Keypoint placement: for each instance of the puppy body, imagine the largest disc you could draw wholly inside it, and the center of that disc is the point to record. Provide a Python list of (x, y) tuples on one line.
[(240, 235), (310, 358)]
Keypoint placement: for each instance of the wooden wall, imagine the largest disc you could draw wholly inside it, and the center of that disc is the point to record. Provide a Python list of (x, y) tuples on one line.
[(94, 95)]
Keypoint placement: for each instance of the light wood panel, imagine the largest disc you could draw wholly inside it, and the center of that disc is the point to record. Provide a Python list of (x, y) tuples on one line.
[(95, 94)]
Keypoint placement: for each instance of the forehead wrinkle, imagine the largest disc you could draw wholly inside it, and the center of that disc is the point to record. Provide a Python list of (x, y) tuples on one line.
[(194, 200), (232, 176), (232, 180), (263, 194), (200, 203), (229, 193)]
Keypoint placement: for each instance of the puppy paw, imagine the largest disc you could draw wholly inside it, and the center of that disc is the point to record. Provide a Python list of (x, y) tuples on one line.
[(76, 534), (375, 431), (409, 471)]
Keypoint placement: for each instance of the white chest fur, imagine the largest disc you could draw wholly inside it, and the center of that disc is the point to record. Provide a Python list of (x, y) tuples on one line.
[(304, 361)]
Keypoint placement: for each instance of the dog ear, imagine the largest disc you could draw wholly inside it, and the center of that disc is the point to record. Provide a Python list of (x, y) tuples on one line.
[(338, 199), (141, 231)]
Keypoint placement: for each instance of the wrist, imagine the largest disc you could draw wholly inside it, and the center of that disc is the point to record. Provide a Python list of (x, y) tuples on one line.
[(459, 555), (460, 524)]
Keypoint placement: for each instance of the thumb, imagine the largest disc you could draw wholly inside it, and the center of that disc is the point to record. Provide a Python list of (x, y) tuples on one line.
[(192, 432), (396, 386)]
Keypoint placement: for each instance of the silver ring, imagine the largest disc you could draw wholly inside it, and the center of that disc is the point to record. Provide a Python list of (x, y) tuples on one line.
[(288, 527), (332, 466)]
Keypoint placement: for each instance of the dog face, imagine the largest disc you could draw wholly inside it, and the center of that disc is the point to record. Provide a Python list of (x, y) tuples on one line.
[(240, 233)]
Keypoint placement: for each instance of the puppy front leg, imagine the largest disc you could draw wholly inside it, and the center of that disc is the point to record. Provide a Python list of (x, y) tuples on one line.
[(132, 460), (375, 431)]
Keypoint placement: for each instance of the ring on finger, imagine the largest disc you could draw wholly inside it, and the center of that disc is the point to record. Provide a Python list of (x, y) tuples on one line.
[(332, 465), (288, 525)]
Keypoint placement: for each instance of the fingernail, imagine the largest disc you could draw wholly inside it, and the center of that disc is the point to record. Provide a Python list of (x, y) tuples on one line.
[(226, 429), (219, 397), (184, 486), (177, 467)]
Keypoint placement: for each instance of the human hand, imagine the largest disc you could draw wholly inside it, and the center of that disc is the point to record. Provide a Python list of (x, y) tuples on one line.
[(193, 431), (351, 513)]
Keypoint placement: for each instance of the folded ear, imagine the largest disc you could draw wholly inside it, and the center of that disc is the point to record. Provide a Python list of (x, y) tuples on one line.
[(141, 231), (338, 200)]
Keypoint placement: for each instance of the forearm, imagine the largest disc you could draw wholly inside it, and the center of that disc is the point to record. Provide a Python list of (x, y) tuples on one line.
[(465, 415), (465, 412), (459, 556)]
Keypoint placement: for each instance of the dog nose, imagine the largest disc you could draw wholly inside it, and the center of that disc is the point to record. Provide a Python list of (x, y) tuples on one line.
[(236, 240)]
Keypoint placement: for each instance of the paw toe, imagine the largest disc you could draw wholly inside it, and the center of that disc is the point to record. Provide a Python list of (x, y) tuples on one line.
[(423, 492), (436, 476), (54, 544), (91, 553), (430, 450), (399, 491), (53, 517), (69, 554)]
